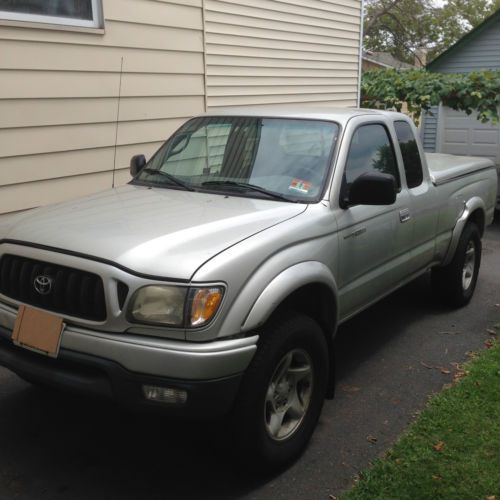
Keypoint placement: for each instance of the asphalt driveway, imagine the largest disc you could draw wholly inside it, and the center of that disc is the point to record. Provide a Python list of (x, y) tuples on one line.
[(389, 360)]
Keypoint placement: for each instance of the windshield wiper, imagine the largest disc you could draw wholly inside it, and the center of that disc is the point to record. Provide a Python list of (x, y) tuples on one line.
[(170, 177), (249, 187)]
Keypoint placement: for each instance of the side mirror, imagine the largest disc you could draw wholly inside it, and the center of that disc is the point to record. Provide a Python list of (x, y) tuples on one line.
[(373, 188), (137, 163)]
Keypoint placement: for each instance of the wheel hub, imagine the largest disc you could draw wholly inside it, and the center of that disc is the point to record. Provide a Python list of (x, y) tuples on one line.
[(469, 265), (288, 394)]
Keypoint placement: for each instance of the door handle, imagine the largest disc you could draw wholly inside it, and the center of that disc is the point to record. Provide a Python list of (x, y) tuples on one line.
[(404, 215)]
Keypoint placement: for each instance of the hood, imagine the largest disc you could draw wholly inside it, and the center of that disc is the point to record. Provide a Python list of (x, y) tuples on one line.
[(154, 231)]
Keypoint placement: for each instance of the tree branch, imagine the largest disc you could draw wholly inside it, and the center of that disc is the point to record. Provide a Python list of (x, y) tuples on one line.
[(378, 14)]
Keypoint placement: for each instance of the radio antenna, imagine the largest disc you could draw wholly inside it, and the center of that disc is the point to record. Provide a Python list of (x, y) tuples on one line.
[(117, 121)]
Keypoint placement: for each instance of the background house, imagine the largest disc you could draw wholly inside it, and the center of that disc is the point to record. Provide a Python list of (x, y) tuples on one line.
[(382, 60), (449, 131), (64, 64)]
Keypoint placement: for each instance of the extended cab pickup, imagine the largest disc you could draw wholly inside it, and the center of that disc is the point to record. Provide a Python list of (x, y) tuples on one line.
[(213, 283)]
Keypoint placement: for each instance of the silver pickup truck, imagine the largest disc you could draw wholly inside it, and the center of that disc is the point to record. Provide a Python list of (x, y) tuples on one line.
[(213, 283)]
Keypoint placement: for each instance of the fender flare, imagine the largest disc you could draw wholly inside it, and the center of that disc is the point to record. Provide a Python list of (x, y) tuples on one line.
[(470, 207), (283, 285)]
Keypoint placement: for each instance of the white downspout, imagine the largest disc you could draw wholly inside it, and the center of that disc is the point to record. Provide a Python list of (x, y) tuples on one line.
[(360, 63)]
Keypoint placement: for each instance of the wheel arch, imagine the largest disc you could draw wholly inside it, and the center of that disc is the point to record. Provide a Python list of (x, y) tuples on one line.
[(474, 211), (308, 288)]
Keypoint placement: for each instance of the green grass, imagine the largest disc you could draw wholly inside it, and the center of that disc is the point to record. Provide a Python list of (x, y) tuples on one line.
[(452, 451)]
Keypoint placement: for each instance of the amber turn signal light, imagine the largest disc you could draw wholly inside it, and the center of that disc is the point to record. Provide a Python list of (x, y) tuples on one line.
[(204, 305)]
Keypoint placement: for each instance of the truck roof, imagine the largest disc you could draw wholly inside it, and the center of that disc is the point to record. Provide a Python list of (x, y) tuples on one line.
[(339, 115)]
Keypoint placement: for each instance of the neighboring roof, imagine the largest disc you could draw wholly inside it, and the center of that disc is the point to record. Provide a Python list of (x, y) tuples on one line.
[(465, 39), (385, 60)]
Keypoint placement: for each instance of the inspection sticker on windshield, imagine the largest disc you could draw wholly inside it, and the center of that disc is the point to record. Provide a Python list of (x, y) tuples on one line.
[(300, 185)]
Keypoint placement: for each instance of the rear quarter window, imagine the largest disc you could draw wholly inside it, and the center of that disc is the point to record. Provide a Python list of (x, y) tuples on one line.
[(409, 151)]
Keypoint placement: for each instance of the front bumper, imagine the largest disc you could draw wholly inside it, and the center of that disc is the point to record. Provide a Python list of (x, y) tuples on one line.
[(107, 379), (116, 366)]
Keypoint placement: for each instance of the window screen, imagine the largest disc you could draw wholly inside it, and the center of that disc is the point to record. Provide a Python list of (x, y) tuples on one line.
[(409, 152)]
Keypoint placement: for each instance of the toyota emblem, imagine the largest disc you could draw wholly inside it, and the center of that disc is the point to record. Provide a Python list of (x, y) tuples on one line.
[(43, 284)]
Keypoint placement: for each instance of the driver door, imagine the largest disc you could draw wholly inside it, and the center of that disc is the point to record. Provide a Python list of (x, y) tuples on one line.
[(373, 240)]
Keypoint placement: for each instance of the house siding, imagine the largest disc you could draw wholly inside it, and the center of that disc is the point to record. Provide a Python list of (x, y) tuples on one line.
[(59, 98), (429, 129), (282, 52), (63, 128), (479, 53)]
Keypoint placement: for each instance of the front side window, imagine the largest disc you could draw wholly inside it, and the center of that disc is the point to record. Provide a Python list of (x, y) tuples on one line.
[(85, 13), (409, 152), (370, 151), (249, 156)]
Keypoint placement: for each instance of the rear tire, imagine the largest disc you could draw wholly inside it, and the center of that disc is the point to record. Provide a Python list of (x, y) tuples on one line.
[(455, 283), (282, 392)]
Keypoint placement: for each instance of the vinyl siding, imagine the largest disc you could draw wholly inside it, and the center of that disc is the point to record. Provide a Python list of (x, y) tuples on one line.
[(429, 129), (59, 98), (481, 52), (282, 52)]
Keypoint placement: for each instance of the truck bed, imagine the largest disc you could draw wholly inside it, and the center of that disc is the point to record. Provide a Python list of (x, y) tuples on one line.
[(444, 168)]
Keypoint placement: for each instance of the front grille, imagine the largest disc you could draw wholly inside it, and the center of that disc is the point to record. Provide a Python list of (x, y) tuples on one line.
[(60, 289)]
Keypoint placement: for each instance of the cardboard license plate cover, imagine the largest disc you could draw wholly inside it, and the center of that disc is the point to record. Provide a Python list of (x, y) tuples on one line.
[(38, 331)]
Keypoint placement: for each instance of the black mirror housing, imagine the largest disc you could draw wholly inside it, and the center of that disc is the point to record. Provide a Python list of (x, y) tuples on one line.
[(137, 163), (373, 188)]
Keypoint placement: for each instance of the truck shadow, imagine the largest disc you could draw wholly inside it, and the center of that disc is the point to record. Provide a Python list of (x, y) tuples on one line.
[(364, 335)]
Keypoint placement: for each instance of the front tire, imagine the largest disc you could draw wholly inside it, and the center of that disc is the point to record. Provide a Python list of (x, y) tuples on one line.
[(455, 283), (282, 393)]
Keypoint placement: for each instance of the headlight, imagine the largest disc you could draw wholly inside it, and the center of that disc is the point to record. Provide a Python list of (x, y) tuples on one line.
[(176, 305), (160, 304)]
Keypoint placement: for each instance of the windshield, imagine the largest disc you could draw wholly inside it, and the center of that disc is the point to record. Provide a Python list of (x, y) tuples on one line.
[(284, 159)]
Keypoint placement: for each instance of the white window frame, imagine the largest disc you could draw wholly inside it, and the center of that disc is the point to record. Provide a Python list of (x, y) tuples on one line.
[(96, 22)]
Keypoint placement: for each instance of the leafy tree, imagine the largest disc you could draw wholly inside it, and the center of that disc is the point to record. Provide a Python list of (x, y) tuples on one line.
[(458, 17), (477, 92), (398, 26), (402, 27)]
